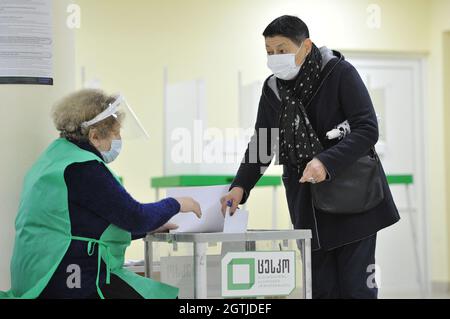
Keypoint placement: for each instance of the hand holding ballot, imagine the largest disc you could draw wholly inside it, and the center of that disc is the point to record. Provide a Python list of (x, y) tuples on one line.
[(234, 197), (187, 205)]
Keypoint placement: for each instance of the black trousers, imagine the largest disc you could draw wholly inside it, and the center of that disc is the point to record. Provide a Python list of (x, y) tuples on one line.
[(117, 289), (346, 272)]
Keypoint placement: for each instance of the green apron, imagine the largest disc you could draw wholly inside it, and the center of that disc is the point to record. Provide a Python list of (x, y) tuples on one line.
[(43, 231)]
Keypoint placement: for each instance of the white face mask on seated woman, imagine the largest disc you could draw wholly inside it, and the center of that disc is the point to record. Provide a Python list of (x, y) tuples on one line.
[(113, 153), (110, 145), (128, 125)]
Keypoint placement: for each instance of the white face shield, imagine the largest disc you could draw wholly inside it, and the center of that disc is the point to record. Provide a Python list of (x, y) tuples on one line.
[(131, 127)]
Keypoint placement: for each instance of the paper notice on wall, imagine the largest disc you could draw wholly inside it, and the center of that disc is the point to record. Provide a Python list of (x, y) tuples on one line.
[(212, 218), (26, 42)]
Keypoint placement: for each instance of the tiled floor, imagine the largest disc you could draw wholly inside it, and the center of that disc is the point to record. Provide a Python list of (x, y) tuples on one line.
[(409, 295)]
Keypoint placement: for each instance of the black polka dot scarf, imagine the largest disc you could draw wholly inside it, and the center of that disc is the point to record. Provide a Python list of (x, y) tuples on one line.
[(298, 142)]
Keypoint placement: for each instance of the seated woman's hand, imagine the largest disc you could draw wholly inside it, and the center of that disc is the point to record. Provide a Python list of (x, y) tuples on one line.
[(165, 228), (188, 205)]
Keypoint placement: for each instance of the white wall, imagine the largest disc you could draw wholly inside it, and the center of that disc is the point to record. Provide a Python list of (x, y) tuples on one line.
[(437, 138), (26, 129)]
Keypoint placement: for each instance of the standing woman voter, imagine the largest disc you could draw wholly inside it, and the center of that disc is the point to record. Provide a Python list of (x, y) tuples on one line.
[(335, 187), (75, 218)]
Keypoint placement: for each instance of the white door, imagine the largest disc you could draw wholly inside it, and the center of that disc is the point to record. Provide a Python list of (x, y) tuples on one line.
[(396, 86)]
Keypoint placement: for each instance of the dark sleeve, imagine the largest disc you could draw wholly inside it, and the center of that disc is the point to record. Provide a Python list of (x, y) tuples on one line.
[(135, 236), (357, 106), (259, 152), (93, 187)]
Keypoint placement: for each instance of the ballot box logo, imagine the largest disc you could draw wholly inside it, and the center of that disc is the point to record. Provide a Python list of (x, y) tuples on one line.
[(265, 273), (241, 273)]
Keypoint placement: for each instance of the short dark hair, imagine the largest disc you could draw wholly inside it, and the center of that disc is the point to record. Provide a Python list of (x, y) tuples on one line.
[(287, 26)]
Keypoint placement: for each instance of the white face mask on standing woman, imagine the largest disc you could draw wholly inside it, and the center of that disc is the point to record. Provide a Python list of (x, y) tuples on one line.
[(284, 66)]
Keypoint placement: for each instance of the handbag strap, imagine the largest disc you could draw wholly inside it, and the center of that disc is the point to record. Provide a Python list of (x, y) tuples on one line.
[(375, 153)]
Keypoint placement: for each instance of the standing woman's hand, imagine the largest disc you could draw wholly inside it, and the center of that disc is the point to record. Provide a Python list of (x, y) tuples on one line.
[(315, 172), (187, 205), (235, 196)]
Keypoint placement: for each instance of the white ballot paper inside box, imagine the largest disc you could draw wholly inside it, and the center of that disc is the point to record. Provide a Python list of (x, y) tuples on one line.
[(212, 219)]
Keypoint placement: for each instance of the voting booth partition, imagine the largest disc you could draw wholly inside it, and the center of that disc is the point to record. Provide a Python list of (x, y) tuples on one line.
[(191, 147)]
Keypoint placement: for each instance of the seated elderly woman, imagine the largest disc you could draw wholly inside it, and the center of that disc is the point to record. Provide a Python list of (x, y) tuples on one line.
[(75, 219)]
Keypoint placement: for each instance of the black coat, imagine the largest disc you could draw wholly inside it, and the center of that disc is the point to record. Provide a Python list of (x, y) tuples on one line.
[(341, 96)]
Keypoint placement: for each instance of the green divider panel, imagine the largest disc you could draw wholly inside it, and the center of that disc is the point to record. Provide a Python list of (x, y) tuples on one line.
[(206, 180), (211, 180)]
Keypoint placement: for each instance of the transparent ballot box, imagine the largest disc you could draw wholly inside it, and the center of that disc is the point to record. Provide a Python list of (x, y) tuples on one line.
[(254, 264)]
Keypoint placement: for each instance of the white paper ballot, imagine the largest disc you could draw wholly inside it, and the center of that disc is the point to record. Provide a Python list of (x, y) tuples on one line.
[(212, 219), (237, 223)]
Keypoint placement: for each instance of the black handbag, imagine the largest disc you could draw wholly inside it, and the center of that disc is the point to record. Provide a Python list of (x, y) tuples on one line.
[(356, 189)]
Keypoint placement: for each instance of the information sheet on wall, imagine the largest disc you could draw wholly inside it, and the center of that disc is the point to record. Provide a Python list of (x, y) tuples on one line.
[(26, 42)]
